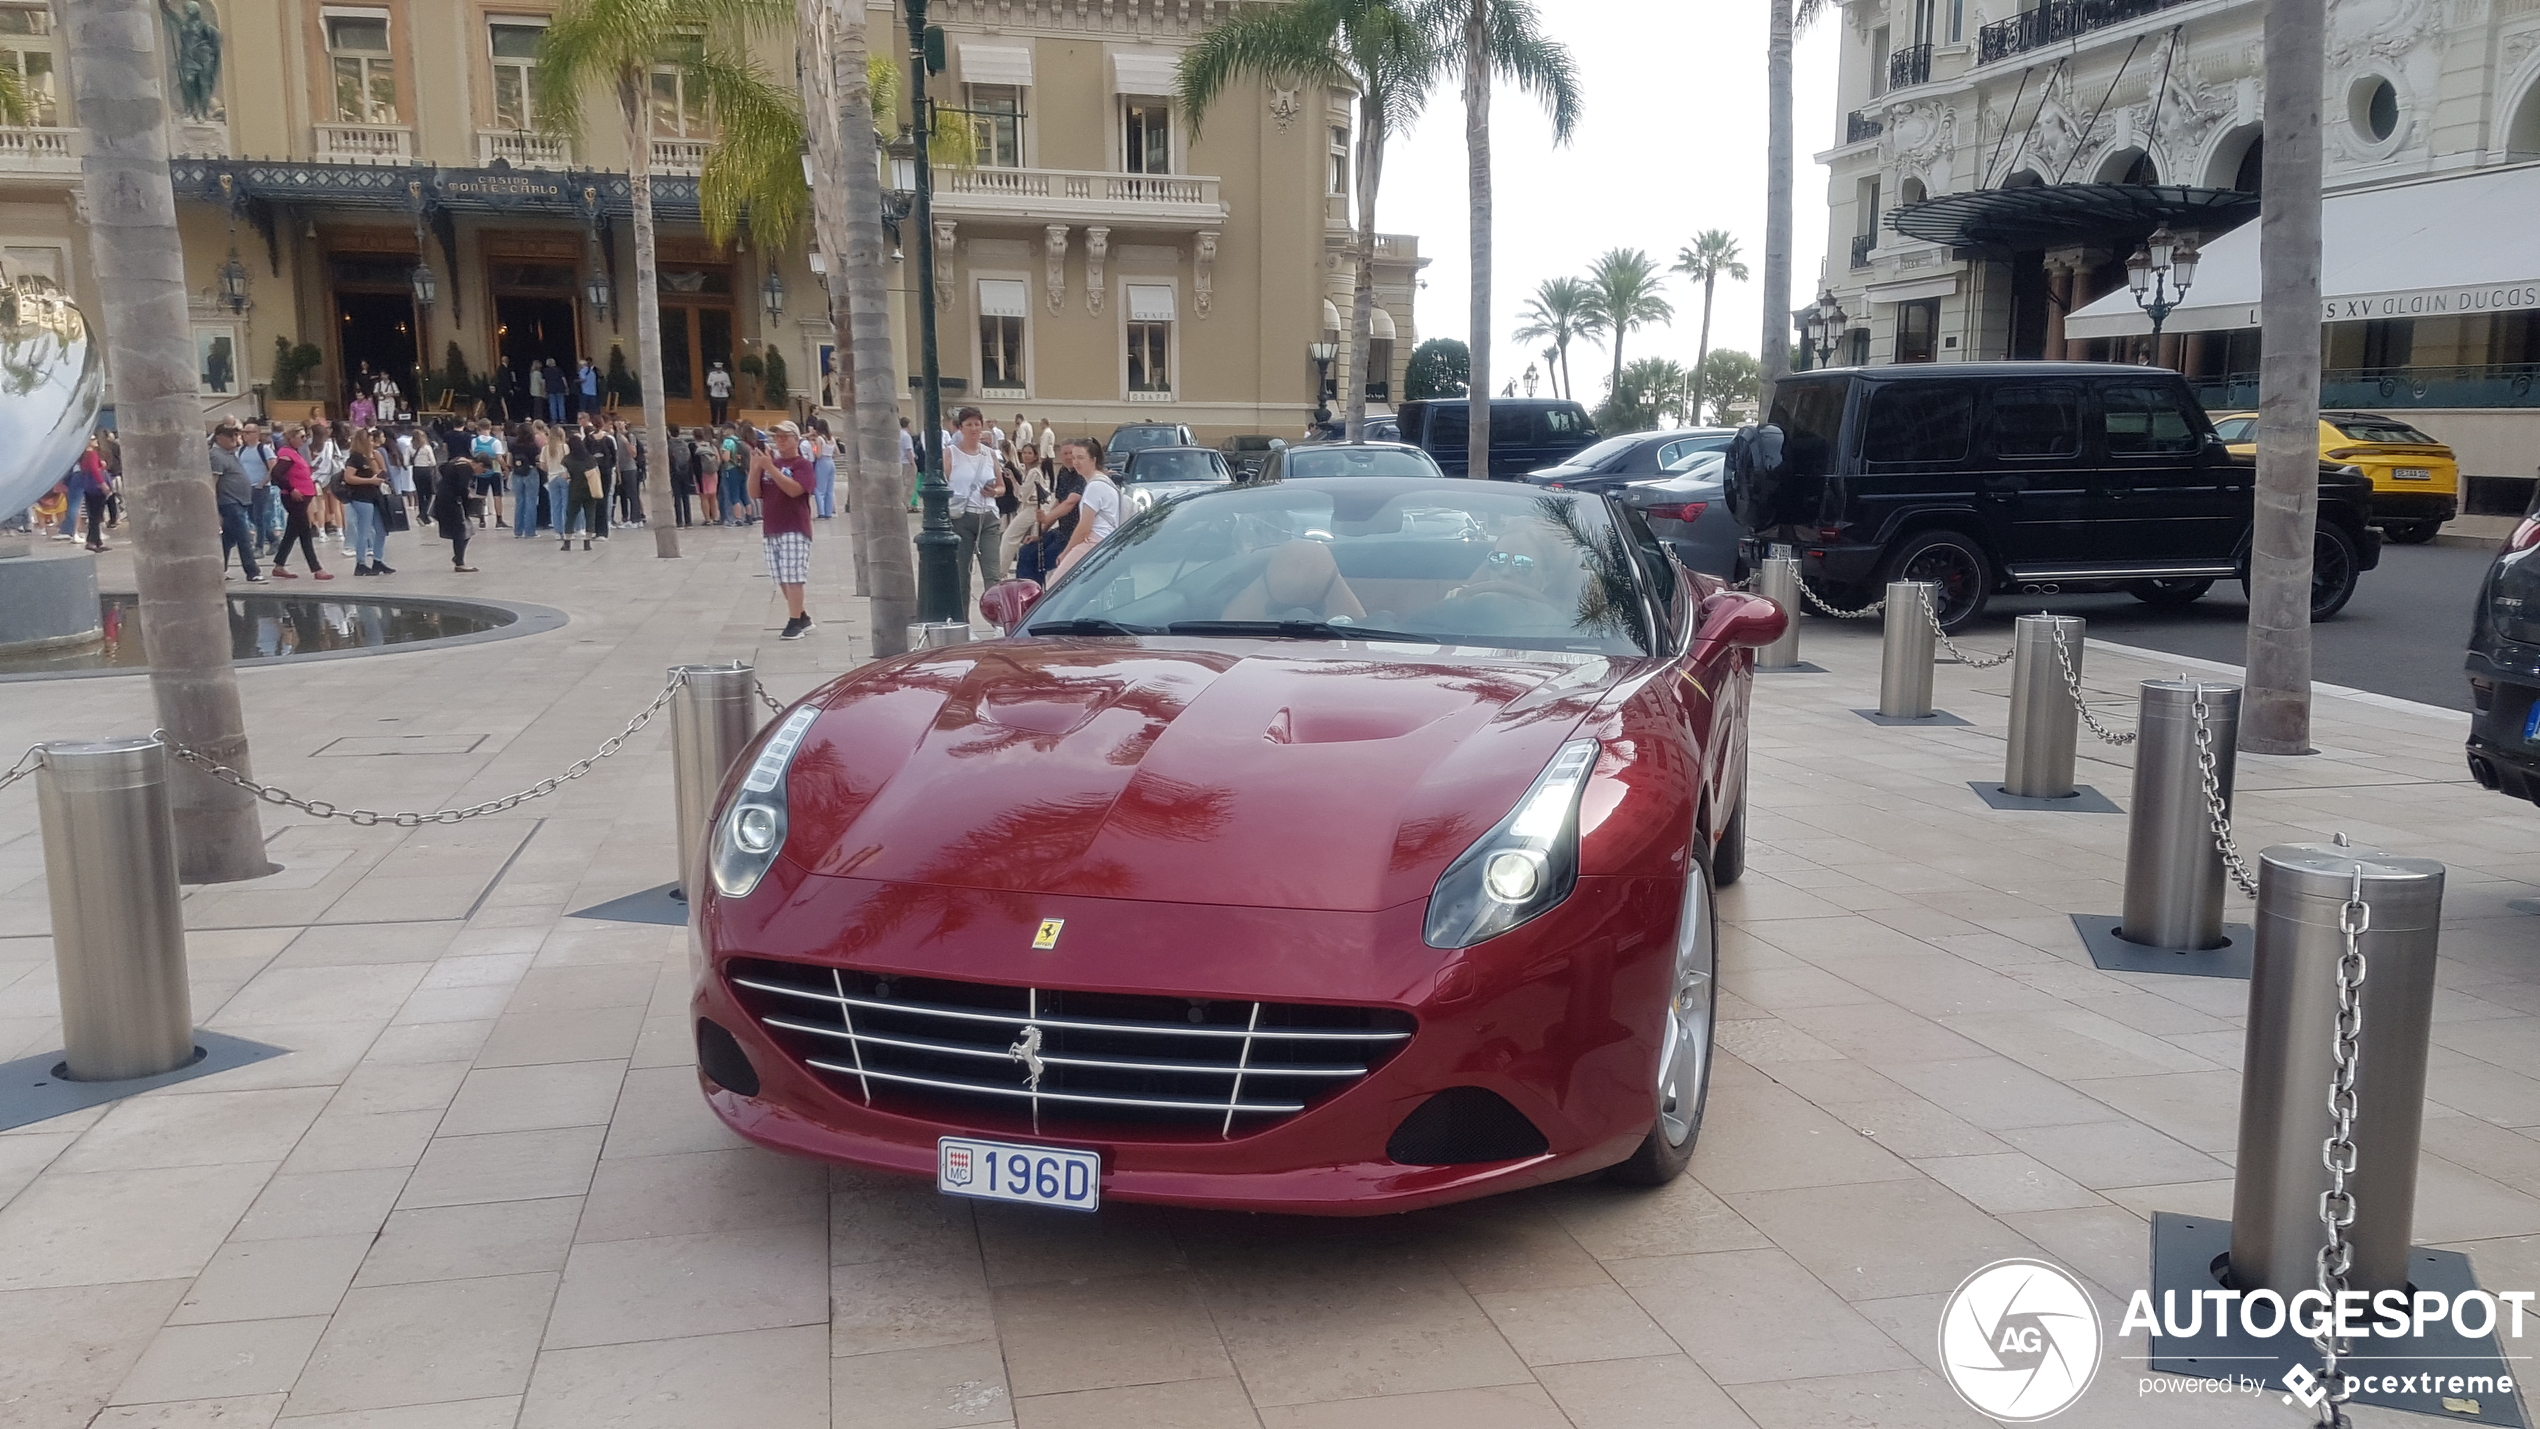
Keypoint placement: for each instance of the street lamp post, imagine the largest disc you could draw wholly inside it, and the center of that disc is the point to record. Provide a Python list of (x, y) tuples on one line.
[(772, 295), (938, 550), (2159, 273), (1533, 376), (1825, 323), (1323, 353)]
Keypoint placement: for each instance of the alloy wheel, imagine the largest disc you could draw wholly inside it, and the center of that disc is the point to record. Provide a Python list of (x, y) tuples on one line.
[(1959, 574), (1684, 1064)]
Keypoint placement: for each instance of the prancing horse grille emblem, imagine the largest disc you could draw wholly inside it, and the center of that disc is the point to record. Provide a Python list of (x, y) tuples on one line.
[(1027, 1050)]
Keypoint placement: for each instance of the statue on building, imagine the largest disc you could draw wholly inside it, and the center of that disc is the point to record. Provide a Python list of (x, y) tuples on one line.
[(194, 44)]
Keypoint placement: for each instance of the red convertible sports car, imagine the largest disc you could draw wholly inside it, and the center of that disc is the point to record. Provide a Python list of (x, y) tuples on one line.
[(1332, 846)]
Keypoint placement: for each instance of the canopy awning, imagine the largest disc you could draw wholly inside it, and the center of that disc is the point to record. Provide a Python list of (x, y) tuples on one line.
[(2434, 248), (2051, 215)]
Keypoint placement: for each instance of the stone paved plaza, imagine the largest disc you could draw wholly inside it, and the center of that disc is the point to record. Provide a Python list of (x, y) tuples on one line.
[(482, 1190)]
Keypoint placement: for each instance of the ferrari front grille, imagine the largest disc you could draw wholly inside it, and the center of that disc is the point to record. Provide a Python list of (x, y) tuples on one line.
[(1063, 1056)]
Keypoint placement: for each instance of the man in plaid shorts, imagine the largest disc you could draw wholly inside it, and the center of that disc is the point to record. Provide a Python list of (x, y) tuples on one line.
[(780, 485)]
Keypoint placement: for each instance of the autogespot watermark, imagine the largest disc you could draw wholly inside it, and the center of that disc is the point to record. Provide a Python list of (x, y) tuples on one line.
[(2020, 1340)]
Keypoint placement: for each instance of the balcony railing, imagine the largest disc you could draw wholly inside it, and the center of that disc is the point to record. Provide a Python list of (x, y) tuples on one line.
[(1909, 67), (1857, 127), (366, 143), (37, 151), (522, 149), (1068, 193), (2515, 384), (2057, 20), (1861, 245), (680, 156)]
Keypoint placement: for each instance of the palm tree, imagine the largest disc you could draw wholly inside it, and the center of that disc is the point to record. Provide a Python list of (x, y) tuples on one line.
[(1712, 256), (16, 105), (1502, 38), (118, 91), (1381, 49), (1789, 17), (1623, 292), (1559, 312), (614, 46), (846, 91)]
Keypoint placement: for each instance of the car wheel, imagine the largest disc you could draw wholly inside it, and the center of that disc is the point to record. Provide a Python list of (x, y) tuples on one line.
[(2410, 533), (2170, 594), (2333, 572), (1728, 856), (1684, 1056), (1951, 560)]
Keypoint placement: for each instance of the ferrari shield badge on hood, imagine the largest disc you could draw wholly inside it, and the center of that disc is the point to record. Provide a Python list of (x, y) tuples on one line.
[(1047, 937)]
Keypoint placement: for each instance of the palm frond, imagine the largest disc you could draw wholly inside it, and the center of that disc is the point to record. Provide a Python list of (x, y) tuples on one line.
[(1276, 43), (611, 45), (1712, 254), (1538, 65), (16, 105), (755, 163)]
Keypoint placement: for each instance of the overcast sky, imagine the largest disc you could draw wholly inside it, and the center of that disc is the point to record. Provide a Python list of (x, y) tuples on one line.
[(1670, 142)]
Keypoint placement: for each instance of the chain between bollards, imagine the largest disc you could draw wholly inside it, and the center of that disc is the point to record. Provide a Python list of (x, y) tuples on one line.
[(1924, 589), (2217, 814), (1818, 604), (27, 764), (2337, 1204), (2072, 684)]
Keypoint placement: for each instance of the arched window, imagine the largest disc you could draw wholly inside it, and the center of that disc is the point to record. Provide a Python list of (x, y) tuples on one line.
[(2522, 135), (1912, 191), (2129, 166)]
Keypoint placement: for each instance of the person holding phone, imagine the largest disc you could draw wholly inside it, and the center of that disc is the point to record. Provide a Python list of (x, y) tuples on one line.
[(781, 483)]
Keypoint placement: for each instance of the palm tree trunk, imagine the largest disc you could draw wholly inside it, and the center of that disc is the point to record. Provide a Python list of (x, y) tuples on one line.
[(1702, 350), (821, 20), (890, 560), (2275, 716), (1614, 384), (1477, 182), (1362, 302), (1772, 350), (632, 98), (121, 102)]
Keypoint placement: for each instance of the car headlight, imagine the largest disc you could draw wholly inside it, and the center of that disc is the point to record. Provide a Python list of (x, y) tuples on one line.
[(1140, 500), (752, 828), (1525, 865)]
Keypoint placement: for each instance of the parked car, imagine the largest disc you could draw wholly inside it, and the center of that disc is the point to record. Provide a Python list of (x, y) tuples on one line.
[(2504, 668), (1153, 474), (1525, 433), (1380, 427), (1245, 454), (1134, 436), (1319, 459), (1631, 458), (2416, 481), (1690, 512), (1991, 477)]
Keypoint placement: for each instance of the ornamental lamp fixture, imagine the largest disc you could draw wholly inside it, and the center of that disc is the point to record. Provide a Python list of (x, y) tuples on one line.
[(1825, 321), (1323, 352), (233, 283), (772, 295), (426, 287), (1533, 376), (596, 290), (2158, 274)]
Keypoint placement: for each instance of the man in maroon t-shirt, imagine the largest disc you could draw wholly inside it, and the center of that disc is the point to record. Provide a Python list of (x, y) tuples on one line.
[(780, 486)]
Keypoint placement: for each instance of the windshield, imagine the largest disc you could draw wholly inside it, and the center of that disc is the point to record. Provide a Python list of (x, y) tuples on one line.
[(2235, 430), (1130, 439), (2382, 429), (1174, 466), (1359, 461), (1444, 563), (1603, 451), (1712, 457)]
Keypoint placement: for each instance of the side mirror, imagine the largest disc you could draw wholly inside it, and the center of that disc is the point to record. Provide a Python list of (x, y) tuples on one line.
[(1737, 618), (1006, 603)]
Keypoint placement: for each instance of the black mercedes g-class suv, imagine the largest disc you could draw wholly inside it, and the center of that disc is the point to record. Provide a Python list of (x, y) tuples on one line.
[(1994, 477)]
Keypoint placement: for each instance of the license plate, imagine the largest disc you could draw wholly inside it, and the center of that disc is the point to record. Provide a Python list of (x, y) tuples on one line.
[(1033, 1175), (2413, 473), (2531, 724)]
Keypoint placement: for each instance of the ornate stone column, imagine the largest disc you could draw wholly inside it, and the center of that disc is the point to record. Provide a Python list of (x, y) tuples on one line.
[(1097, 248), (1054, 279), (1203, 264)]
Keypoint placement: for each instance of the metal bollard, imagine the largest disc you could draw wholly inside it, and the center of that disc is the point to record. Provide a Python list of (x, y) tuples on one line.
[(2284, 1117), (934, 635), (2173, 871), (1905, 652), (712, 719), (118, 927), (2038, 761), (1777, 580)]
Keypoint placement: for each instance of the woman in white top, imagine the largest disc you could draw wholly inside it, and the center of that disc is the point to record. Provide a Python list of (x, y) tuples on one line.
[(1028, 484), (326, 462), (1099, 514)]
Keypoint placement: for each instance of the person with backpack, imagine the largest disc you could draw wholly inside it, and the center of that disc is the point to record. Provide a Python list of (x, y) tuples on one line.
[(683, 475), (449, 506), (296, 488)]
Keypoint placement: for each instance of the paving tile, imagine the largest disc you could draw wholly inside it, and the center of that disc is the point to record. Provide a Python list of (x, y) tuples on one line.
[(940, 1388), (1665, 1392), (2458, 1204), (2124, 1153), (1350, 1325), (206, 1129), (69, 1347), (902, 1304), (244, 1411), (394, 1345), (23, 1157), (535, 1098), (1914, 1128), (1756, 1135), (462, 1242), (1573, 1323), (273, 1279), (2007, 1181), (247, 1357), (1620, 1223), (662, 1287), (1024, 1244), (524, 1039), (1508, 1243), (1106, 1334), (430, 1042), (349, 944), (764, 1379), (505, 1166), (875, 1217), (1998, 1094), (661, 1112), (319, 994), (377, 1087), (80, 1230), (322, 1204), (741, 1189), (496, 1413), (1892, 1399), (363, 1141), (2201, 1109), (1753, 1315), (2107, 1244), (1512, 1406), (1869, 1242), (1187, 1404)]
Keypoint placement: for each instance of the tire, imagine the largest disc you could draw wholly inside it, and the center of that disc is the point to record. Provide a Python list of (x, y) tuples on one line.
[(1728, 856), (2333, 572), (2410, 533), (2170, 594), (1952, 558), (1692, 1014)]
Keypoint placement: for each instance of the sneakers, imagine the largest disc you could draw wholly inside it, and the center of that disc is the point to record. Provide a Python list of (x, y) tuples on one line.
[(255, 580), (380, 570), (364, 570), (796, 628), (463, 570)]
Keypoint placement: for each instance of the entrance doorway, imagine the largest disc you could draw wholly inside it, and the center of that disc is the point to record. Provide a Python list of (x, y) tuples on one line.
[(696, 333), (377, 330), (536, 318)]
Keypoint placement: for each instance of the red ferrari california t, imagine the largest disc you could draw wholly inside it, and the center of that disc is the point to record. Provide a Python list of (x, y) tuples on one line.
[(1333, 846)]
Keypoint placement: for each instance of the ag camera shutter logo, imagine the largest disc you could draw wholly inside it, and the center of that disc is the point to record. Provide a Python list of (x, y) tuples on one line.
[(2020, 1340)]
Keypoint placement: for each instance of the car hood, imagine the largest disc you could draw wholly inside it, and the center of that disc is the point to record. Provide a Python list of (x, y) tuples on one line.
[(1262, 773)]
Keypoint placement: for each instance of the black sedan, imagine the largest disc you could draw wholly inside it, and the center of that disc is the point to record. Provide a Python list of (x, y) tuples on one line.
[(2504, 669), (1636, 457)]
